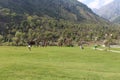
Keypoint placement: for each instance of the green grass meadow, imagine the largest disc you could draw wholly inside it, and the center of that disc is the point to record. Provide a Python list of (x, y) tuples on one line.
[(58, 63)]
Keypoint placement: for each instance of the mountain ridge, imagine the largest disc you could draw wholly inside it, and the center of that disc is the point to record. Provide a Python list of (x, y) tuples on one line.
[(69, 9), (110, 11)]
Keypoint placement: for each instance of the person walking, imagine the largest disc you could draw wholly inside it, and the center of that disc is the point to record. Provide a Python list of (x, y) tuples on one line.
[(29, 47)]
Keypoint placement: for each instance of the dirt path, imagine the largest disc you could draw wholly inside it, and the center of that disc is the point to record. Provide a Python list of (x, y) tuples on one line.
[(109, 50)]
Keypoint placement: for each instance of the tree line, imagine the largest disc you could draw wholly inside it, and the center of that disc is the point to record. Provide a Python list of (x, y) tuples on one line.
[(18, 30)]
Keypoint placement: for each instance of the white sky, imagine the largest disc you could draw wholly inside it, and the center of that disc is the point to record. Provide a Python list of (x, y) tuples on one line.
[(95, 3)]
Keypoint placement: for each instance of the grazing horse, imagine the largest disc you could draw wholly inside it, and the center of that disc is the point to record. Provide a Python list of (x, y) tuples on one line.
[(36, 42), (31, 43)]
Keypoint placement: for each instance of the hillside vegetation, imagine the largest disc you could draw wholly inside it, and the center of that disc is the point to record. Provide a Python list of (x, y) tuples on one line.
[(50, 21)]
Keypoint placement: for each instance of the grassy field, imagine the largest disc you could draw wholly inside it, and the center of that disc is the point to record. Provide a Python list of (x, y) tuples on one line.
[(58, 63)]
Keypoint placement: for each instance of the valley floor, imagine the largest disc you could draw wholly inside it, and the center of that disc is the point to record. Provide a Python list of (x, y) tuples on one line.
[(58, 63)]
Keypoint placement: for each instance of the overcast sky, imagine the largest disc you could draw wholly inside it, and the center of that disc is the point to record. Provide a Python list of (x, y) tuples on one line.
[(95, 3)]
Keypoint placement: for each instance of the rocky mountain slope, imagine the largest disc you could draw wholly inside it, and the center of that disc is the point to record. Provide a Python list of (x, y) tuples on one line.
[(110, 11)]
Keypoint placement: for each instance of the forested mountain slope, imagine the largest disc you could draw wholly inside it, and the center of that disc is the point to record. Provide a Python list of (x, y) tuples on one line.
[(50, 21), (60, 9)]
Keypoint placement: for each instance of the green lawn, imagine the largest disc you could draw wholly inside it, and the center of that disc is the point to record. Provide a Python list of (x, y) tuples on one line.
[(58, 63)]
